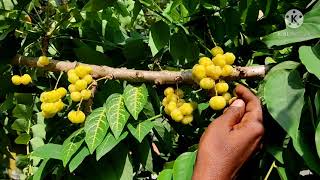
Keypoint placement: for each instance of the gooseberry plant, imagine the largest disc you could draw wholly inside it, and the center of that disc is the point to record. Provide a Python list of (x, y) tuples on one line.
[(124, 89)]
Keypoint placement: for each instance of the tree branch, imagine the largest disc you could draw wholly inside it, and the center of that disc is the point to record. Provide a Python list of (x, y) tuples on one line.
[(157, 77)]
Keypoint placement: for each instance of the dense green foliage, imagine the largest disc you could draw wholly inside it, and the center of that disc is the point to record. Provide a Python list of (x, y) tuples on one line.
[(127, 136)]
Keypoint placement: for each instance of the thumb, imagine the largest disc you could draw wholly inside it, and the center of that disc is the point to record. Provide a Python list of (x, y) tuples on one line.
[(234, 113)]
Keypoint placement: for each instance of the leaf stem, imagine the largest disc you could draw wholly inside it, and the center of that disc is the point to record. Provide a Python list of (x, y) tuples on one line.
[(61, 73), (273, 165), (154, 117)]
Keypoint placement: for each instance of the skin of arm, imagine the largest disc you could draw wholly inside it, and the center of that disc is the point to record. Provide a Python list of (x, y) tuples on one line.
[(230, 139)]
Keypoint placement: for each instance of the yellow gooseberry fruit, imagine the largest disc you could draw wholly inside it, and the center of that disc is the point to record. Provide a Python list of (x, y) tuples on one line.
[(168, 91), (85, 94), (81, 71), (213, 71), (43, 61), (53, 96), (199, 71), (165, 101), (205, 61), (216, 50), (186, 109), (62, 91), (88, 69), (187, 119), (25, 79), (171, 106), (176, 115), (76, 96), (72, 88), (222, 87), (72, 77), (227, 96), (81, 85), (180, 102), (207, 83), (44, 97), (16, 80), (76, 117), (59, 105), (219, 60), (227, 70), (47, 115), (179, 93), (229, 58), (88, 78), (217, 103), (49, 108), (166, 110), (173, 98)]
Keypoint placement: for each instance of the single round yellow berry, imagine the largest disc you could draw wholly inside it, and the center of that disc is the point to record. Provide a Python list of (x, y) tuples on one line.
[(76, 117), (53, 96), (59, 105), (166, 110), (219, 60), (72, 88), (187, 119), (43, 61), (227, 96), (199, 71), (73, 78), (230, 58), (222, 87), (88, 69), (62, 91), (85, 94), (176, 115), (207, 83), (49, 108), (81, 85), (16, 80), (71, 71), (180, 102), (88, 78), (44, 97), (179, 93), (227, 70), (25, 79), (76, 96), (205, 61), (47, 115), (165, 101), (186, 109), (81, 71), (171, 106), (168, 91), (213, 71), (216, 50), (173, 98), (217, 102)]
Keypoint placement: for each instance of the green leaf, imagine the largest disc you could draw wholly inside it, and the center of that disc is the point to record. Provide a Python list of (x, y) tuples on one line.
[(145, 155), (117, 114), (78, 158), (135, 98), (20, 125), (7, 104), (96, 127), (317, 139), (165, 174), (108, 144), (183, 166), (310, 60), (71, 145), (141, 130), (308, 30), (284, 95), (36, 142), (96, 5), (159, 36), (22, 111), (38, 175), (39, 130), (23, 138), (49, 151)]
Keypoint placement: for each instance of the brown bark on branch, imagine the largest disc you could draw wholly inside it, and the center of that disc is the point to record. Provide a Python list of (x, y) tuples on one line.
[(157, 77)]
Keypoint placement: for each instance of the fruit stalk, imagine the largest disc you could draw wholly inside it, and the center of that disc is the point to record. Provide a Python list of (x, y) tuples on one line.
[(157, 77)]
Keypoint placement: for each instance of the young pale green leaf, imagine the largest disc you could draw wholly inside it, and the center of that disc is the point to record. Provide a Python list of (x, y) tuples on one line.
[(23, 138), (108, 144), (117, 114), (78, 158), (308, 30), (159, 36), (310, 60), (49, 151), (135, 98), (183, 166), (36, 142), (284, 95), (141, 130), (165, 174), (39, 130), (96, 127), (20, 125), (71, 145)]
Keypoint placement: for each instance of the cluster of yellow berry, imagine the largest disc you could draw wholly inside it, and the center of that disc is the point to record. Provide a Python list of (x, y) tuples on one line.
[(176, 107), (80, 78), (208, 72), (43, 61), (52, 102), (17, 80)]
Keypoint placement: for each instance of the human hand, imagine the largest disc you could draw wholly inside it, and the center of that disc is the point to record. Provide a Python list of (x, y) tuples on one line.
[(230, 139)]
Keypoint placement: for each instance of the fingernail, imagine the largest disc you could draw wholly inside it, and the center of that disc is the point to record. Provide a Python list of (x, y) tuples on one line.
[(238, 103)]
